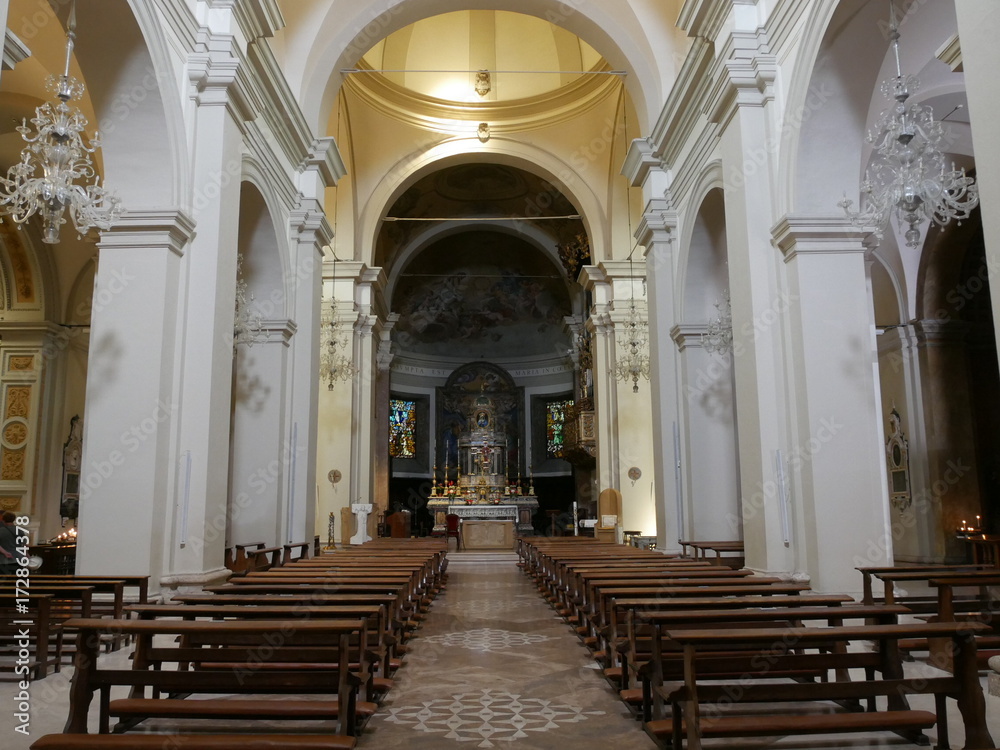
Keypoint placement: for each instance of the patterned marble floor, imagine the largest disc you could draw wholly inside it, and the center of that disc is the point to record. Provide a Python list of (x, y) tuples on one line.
[(493, 667)]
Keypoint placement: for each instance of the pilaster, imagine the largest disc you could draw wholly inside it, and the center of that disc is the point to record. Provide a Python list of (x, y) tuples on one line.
[(835, 414), (129, 452), (656, 234)]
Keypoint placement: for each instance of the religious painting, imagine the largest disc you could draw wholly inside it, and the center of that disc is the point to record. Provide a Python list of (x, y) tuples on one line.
[(503, 297)]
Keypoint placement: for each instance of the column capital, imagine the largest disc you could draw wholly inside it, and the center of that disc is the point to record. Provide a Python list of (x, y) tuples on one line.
[(794, 235), (932, 332), (152, 228), (640, 160), (279, 331), (744, 77), (688, 335), (325, 160), (658, 224), (217, 77), (308, 223)]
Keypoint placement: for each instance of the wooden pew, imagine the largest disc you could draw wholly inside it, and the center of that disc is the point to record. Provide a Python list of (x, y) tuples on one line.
[(642, 625), (983, 611), (294, 552), (696, 704), (241, 559), (380, 639), (238, 644), (868, 573)]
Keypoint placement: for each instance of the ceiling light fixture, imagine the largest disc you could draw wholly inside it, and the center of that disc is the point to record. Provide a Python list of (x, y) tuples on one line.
[(45, 180), (908, 177)]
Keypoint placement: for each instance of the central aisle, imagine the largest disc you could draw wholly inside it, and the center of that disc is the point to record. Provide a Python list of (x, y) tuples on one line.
[(493, 666)]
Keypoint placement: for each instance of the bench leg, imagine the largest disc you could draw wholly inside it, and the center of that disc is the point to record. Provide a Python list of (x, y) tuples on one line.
[(940, 705)]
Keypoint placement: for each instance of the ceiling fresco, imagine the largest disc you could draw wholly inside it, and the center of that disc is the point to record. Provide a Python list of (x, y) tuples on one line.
[(481, 295)]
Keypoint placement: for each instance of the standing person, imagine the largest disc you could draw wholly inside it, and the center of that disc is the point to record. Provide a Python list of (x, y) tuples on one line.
[(8, 544)]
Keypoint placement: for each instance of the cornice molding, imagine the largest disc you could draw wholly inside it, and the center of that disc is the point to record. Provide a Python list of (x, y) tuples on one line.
[(324, 156), (743, 76), (688, 335), (309, 224), (704, 18), (950, 54), (813, 235), (256, 18), (683, 109), (14, 50), (639, 162), (440, 116), (277, 104), (658, 224), (156, 228)]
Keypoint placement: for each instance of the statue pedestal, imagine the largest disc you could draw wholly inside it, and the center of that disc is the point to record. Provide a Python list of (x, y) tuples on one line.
[(361, 512)]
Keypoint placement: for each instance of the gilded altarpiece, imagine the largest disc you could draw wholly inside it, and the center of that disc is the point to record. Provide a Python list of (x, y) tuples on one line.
[(18, 428)]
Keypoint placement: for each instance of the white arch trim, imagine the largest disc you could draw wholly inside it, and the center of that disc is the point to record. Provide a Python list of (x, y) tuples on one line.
[(350, 29), (528, 232), (709, 179), (498, 150)]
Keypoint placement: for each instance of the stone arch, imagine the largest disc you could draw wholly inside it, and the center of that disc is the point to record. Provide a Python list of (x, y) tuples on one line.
[(264, 248), (708, 408), (709, 183), (531, 234), (834, 97), (131, 85), (349, 29), (499, 150)]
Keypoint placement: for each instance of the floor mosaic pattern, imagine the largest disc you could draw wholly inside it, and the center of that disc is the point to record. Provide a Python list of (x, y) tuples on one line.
[(488, 716), (494, 667), (487, 639)]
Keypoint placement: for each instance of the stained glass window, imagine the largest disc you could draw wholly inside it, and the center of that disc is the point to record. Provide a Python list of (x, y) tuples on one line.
[(555, 417), (402, 428)]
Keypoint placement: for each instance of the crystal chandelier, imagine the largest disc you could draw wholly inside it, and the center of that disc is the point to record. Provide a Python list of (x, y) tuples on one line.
[(44, 181), (719, 336), (633, 358), (248, 328), (335, 347), (908, 176)]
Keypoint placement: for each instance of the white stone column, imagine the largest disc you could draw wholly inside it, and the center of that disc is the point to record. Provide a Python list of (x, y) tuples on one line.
[(208, 298), (602, 343), (629, 412), (383, 374), (837, 492), (705, 413), (978, 30), (370, 282), (129, 462), (741, 109), (656, 234), (262, 452), (310, 234)]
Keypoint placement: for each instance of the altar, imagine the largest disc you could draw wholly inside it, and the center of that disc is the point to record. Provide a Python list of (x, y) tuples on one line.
[(480, 489), (517, 509)]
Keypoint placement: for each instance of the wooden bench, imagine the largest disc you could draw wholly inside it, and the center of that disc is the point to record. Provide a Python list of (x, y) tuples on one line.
[(241, 558), (294, 552), (696, 706), (241, 646), (636, 649), (947, 610), (734, 548), (380, 642)]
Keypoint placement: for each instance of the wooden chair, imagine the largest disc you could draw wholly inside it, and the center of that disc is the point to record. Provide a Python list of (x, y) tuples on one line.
[(453, 528)]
